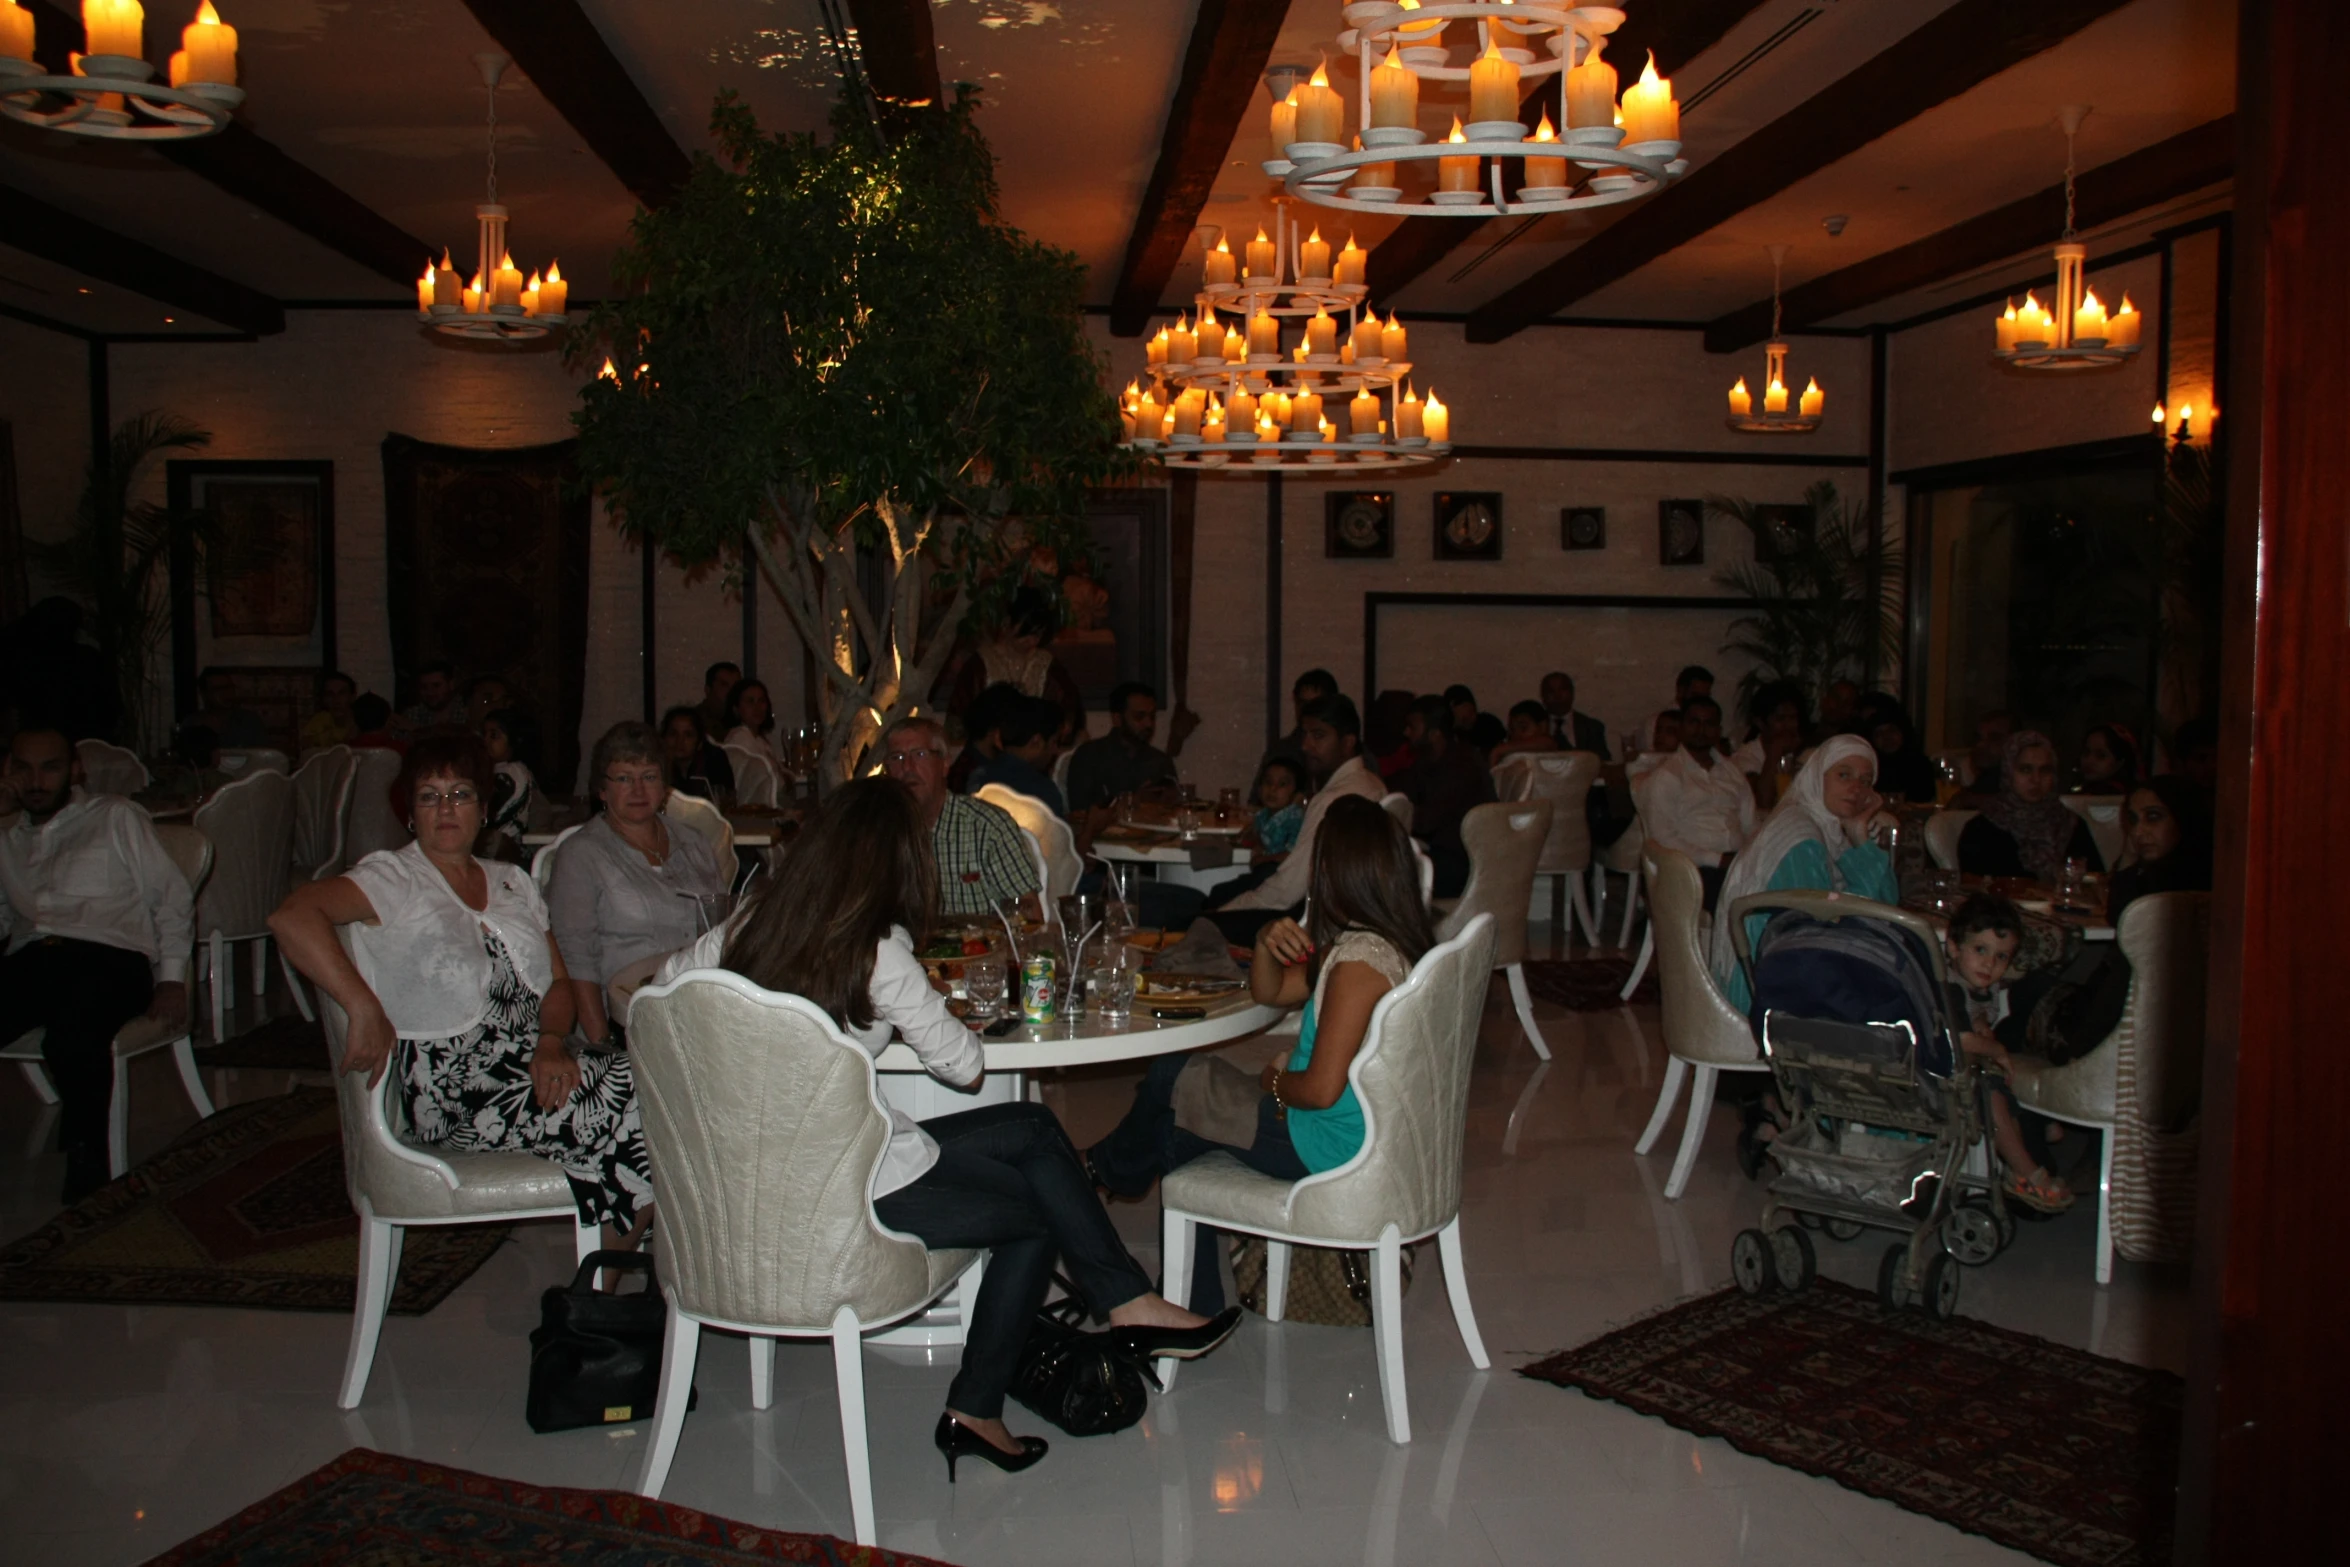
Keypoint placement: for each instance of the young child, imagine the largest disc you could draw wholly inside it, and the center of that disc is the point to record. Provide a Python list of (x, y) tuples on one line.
[(1982, 942), (1280, 811)]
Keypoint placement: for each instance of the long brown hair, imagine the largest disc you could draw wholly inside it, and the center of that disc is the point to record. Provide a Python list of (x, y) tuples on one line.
[(861, 865), (1366, 877)]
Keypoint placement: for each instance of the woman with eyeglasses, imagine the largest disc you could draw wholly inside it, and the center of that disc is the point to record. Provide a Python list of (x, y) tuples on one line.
[(454, 979)]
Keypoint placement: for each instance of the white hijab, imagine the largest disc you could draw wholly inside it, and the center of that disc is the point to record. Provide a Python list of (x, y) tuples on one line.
[(1802, 816)]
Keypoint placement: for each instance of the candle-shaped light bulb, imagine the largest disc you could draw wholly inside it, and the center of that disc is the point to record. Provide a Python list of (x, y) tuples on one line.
[(1493, 86), (1211, 337), (554, 294), (1321, 333), (1591, 89), (1263, 259), (530, 295), (211, 47), (2158, 416), (1812, 401), (1407, 415), (2031, 321), (1188, 411), (2008, 325), (1741, 400), (1435, 418), (16, 31), (1650, 114), (1395, 92), (1305, 411), (176, 69), (1394, 342), (1211, 425), (1241, 412), (1285, 121), (1313, 257), (1350, 265), (1362, 413), (1264, 333), (116, 27), (1364, 339), (1182, 343), (1220, 268), (473, 301), (2121, 328), (1154, 350), (424, 287), (1236, 344), (507, 284), (1457, 173), (1321, 113), (1775, 399), (1545, 173), (2089, 317)]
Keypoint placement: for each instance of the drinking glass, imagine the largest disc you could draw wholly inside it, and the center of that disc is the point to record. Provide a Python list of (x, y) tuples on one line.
[(2072, 887), (1227, 806), (712, 909), (1187, 823), (983, 978), (1110, 993)]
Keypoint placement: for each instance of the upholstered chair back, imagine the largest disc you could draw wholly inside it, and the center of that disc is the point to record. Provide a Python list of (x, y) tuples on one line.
[(1700, 1024), (1504, 841), (1564, 778)]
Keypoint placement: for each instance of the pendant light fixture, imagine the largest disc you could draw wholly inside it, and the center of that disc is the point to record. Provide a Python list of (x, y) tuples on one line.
[(112, 93), (499, 304), (1774, 419), (2077, 333)]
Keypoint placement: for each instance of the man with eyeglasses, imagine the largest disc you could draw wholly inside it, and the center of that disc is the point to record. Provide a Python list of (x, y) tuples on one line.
[(98, 923), (982, 856)]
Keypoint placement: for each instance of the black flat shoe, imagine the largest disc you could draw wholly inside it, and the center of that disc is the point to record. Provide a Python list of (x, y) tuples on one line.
[(1179, 1343), (957, 1440)]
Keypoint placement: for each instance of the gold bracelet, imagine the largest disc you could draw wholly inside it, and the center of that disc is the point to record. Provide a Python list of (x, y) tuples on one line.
[(1280, 1106)]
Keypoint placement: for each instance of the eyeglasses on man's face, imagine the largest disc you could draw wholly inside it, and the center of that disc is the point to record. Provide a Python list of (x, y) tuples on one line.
[(911, 758)]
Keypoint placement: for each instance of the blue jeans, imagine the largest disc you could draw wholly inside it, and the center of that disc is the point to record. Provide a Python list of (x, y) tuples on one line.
[(1148, 1143)]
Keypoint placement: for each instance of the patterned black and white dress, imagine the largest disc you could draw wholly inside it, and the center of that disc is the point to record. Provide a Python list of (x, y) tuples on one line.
[(472, 1093)]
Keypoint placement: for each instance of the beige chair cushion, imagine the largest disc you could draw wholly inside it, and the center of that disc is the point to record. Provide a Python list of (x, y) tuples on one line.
[(1700, 1024), (1563, 778), (1504, 841)]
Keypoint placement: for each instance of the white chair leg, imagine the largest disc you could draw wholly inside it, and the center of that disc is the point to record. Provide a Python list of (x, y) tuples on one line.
[(1582, 911), (260, 966), (38, 1076), (1675, 1070), (183, 1056), (1456, 1286), (1175, 1238), (1524, 1002), (379, 1265), (1387, 1331), (678, 1355), (1276, 1279), (2105, 1209), (1701, 1105), (1598, 893), (118, 1122), (294, 984), (218, 969), (762, 1371), (1631, 908), (848, 1376), (1640, 963)]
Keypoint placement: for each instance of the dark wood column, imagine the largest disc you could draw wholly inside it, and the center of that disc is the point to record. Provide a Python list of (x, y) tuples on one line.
[(2269, 1372)]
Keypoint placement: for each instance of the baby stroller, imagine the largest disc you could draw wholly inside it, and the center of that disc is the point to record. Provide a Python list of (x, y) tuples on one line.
[(1884, 1124)]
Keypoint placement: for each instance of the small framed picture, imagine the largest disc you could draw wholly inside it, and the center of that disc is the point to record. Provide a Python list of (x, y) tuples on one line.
[(1468, 525), (1779, 529), (1680, 533), (1582, 527), (1358, 525)]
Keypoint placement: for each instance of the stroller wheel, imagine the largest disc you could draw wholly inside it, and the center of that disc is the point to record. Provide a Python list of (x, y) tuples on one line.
[(1845, 1229), (1940, 1298), (1792, 1259), (1890, 1292), (1972, 1235), (1751, 1264)]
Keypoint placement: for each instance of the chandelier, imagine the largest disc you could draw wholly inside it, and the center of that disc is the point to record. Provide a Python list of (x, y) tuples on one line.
[(1598, 152), (1223, 393), (2077, 334), (112, 92), (1774, 418), (499, 304)]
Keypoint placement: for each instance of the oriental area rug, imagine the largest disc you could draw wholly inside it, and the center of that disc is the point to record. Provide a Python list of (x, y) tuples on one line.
[(1589, 984), (372, 1508), (2055, 1452), (247, 1209)]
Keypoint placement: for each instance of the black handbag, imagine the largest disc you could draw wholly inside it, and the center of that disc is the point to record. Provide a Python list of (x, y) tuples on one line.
[(595, 1358), (1081, 1382)]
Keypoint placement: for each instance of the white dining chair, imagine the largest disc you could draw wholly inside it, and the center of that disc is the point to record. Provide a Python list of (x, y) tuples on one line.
[(250, 821), (694, 812), (542, 864), (322, 810), (110, 769), (2103, 813), (1942, 834), (1059, 867), (1398, 806), (765, 1127), (1705, 1036), (1565, 779), (2148, 1073), (1622, 857), (1404, 1184), (191, 852), (239, 761), (374, 821), (396, 1185), (755, 781), (1504, 840)]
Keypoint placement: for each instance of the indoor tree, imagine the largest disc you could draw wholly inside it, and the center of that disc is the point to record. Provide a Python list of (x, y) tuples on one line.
[(1827, 602), (830, 363)]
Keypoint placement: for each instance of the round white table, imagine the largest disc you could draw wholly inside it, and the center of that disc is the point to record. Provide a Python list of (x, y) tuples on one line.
[(1172, 861)]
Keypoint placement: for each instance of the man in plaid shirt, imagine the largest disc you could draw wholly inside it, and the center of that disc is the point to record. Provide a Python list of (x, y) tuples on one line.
[(983, 857)]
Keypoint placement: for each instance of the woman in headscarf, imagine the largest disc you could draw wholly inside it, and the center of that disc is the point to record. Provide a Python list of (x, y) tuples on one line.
[(1818, 838), (2025, 829), (2168, 821)]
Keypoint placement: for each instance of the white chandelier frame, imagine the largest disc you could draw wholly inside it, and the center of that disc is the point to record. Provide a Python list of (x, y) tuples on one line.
[(492, 323), (171, 113), (2062, 350), (1775, 374), (1619, 172)]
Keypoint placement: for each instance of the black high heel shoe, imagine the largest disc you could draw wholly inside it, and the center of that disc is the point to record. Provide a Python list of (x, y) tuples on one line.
[(1178, 1343), (957, 1440)]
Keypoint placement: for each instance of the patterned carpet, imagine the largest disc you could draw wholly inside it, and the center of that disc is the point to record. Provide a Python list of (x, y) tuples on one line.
[(1589, 984), (2065, 1455), (373, 1509), (248, 1209)]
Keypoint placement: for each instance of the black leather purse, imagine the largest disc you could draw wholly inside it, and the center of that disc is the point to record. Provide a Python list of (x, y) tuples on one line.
[(1081, 1382), (595, 1359)]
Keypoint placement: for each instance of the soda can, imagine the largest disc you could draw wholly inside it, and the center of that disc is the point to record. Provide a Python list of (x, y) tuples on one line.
[(1036, 989)]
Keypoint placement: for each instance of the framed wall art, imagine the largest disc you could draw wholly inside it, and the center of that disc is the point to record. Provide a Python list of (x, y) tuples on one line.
[(262, 594), (1468, 525), (1582, 527), (1358, 525), (1680, 533)]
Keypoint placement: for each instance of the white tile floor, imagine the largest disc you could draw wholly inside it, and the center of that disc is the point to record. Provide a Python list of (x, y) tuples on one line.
[(124, 1430)]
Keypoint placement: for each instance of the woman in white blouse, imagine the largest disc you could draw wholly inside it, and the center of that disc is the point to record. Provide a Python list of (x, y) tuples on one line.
[(751, 723), (456, 981), (626, 886), (833, 927)]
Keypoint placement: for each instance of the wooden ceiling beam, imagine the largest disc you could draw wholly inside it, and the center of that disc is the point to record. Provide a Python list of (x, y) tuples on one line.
[(899, 48), (39, 229), (2108, 193), (1961, 48), (1677, 31), (1231, 40), (573, 68)]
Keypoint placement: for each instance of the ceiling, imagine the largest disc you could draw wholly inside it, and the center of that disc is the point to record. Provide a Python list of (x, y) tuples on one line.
[(382, 99)]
